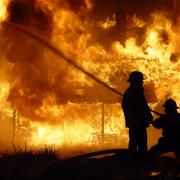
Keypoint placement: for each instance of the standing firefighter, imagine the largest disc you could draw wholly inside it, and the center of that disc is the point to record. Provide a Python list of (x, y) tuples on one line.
[(170, 124), (137, 113)]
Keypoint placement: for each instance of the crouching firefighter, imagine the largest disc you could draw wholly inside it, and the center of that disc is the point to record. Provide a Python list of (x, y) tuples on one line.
[(170, 125)]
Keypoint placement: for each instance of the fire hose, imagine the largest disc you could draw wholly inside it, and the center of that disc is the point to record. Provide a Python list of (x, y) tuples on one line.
[(62, 55)]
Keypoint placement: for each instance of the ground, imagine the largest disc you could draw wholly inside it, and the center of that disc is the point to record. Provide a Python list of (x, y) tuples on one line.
[(108, 164)]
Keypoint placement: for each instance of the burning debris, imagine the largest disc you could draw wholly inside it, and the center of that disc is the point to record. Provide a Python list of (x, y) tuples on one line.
[(108, 40)]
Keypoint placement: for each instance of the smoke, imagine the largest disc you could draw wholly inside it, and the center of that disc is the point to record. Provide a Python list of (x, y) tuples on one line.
[(106, 8), (124, 12), (29, 76)]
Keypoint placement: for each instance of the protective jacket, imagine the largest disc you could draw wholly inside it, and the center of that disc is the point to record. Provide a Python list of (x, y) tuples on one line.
[(170, 124), (135, 108)]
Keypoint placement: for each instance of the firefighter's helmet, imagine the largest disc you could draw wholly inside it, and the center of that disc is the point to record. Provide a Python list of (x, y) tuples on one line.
[(170, 103), (135, 76)]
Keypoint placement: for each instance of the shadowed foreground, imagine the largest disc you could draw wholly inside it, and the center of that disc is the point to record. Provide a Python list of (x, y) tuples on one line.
[(107, 164)]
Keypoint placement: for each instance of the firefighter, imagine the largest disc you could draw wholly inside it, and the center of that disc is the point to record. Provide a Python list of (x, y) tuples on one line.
[(170, 125), (137, 113)]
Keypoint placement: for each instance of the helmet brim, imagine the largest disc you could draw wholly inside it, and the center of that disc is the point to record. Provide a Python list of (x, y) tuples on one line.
[(175, 106), (129, 80)]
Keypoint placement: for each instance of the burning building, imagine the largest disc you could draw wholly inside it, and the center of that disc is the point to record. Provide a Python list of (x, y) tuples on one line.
[(56, 101)]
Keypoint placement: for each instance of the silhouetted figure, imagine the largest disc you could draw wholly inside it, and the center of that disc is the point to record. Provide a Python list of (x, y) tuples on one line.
[(137, 113), (170, 124)]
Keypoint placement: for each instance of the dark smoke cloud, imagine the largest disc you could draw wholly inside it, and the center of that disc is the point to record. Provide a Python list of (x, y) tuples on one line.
[(76, 5), (28, 13), (121, 9), (105, 8), (29, 75), (141, 8)]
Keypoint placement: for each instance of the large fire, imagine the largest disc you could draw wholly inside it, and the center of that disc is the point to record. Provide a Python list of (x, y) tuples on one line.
[(50, 102)]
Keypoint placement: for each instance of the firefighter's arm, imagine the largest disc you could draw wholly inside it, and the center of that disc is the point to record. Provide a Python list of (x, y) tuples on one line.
[(157, 123)]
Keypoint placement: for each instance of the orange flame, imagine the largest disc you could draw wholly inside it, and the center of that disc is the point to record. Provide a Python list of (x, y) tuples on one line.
[(48, 93)]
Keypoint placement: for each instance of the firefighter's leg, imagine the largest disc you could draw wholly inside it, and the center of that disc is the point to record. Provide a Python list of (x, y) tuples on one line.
[(132, 140), (158, 149), (176, 150), (142, 140)]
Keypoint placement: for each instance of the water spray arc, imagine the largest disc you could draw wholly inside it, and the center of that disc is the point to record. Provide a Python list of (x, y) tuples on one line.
[(62, 55)]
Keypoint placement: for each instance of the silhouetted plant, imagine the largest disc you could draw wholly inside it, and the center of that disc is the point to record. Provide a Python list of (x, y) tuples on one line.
[(28, 157)]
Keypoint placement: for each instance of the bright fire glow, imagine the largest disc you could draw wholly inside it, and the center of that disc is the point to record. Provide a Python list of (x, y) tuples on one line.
[(39, 81), (3, 5)]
